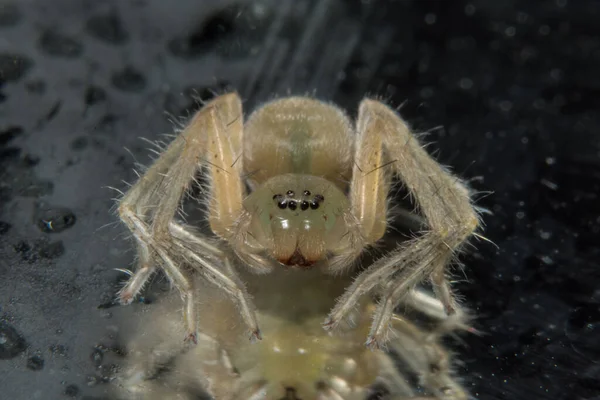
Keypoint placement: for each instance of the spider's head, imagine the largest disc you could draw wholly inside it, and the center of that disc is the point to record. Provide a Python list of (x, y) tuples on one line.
[(297, 219)]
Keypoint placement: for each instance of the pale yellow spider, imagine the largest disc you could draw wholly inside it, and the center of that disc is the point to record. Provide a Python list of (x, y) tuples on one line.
[(299, 186)]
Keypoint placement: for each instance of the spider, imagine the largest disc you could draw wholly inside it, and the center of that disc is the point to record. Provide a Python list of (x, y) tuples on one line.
[(297, 186), (299, 360)]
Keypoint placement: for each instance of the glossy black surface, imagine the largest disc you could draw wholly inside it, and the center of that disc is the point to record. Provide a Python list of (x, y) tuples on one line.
[(509, 91)]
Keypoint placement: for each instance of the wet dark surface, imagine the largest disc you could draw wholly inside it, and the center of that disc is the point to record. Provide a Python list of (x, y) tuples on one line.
[(509, 91)]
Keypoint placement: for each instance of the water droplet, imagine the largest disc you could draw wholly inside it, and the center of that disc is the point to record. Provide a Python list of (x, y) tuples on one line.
[(72, 390), (107, 28), (11, 342), (55, 220), (59, 45), (97, 357), (430, 19), (129, 79), (465, 83), (35, 363)]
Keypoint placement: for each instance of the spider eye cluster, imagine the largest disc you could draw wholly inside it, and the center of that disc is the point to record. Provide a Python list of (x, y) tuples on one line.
[(290, 201)]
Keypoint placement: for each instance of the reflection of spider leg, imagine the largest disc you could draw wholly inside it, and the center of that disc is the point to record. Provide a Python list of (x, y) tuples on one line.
[(215, 267), (149, 206), (385, 139), (425, 356), (392, 380), (161, 370), (226, 281), (433, 308), (147, 364)]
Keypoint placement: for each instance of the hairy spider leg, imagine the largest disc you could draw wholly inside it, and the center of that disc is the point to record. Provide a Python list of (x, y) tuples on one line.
[(211, 140), (444, 201)]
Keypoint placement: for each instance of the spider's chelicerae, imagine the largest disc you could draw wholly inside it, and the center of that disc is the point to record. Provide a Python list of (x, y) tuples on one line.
[(297, 186)]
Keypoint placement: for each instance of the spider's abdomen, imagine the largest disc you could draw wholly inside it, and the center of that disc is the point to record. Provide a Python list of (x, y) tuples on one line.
[(298, 219), (298, 135)]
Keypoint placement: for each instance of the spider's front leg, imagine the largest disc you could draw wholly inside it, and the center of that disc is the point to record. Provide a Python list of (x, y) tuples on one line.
[(148, 208), (384, 138)]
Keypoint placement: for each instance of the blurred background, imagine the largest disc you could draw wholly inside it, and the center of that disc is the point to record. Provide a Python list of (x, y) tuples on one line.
[(508, 90)]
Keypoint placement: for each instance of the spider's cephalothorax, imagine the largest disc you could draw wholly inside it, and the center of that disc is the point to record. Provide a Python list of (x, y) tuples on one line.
[(298, 154), (297, 184)]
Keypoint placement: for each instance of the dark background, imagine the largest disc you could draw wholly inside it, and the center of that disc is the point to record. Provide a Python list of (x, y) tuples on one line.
[(510, 91)]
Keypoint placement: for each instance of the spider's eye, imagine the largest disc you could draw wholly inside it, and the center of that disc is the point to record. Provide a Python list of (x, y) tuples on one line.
[(314, 205), (306, 193), (304, 205), (290, 193), (292, 205), (281, 202)]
